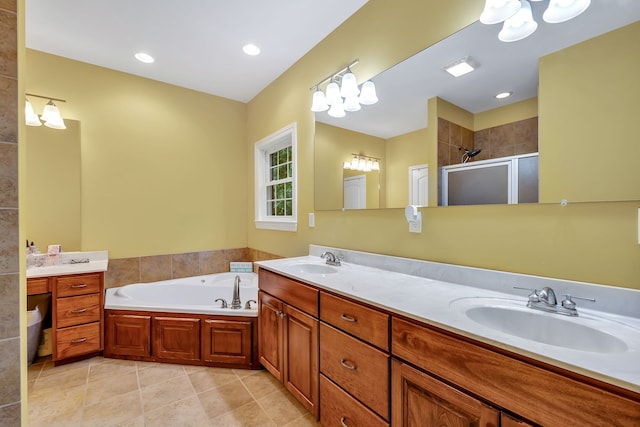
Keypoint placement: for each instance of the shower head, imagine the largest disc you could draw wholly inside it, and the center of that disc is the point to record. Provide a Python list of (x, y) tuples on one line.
[(468, 153)]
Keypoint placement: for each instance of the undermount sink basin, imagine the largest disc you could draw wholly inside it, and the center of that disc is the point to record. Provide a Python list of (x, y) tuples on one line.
[(575, 333), (310, 268)]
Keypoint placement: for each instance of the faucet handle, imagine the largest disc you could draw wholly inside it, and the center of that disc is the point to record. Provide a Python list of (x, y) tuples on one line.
[(247, 305), (224, 302), (568, 302), (533, 296)]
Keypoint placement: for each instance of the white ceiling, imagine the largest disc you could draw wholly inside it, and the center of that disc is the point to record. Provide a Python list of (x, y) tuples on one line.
[(197, 44)]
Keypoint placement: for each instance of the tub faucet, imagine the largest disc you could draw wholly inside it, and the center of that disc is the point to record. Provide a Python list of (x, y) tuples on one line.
[(235, 301)]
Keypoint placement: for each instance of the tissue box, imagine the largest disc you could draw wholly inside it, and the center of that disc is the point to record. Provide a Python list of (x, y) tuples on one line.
[(241, 267)]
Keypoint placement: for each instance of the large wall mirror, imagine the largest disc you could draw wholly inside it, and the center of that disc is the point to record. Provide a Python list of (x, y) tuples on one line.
[(52, 202), (574, 104)]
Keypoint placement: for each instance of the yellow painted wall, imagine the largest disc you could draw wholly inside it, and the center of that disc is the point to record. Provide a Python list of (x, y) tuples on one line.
[(163, 169), (582, 113), (509, 113), (410, 149), (594, 242), (336, 147)]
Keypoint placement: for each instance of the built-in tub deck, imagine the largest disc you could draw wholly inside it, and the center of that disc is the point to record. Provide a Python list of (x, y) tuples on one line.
[(180, 321)]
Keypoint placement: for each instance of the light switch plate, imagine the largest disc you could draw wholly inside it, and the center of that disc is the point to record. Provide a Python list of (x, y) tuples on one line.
[(312, 219)]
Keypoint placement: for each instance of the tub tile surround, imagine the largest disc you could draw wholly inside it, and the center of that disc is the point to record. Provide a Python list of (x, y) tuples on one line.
[(425, 290), (154, 268)]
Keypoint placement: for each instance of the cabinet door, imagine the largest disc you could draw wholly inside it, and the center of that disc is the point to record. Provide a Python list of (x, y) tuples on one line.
[(420, 400), (176, 338), (127, 335), (271, 334), (301, 357), (227, 341), (508, 421)]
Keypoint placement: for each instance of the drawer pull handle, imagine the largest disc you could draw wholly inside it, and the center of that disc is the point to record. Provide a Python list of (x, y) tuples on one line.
[(78, 310), (344, 363), (342, 421), (79, 340), (79, 285), (348, 318)]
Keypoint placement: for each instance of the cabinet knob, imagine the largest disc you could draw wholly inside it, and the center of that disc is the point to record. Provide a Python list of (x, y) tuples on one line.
[(342, 421)]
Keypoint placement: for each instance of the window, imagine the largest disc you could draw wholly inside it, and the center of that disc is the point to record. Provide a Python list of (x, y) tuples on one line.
[(276, 181)]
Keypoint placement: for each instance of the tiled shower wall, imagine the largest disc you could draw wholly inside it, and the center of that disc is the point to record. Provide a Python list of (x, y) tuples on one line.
[(511, 139), (124, 271), (9, 245)]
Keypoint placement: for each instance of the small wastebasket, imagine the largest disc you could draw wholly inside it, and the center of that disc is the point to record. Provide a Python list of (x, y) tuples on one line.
[(37, 307)]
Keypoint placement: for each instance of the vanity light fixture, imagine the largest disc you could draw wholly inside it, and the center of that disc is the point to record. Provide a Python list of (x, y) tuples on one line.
[(144, 57), (362, 163), (342, 94), (50, 115), (462, 66), (518, 17)]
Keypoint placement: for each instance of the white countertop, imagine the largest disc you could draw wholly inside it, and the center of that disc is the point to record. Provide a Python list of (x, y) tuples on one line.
[(98, 261), (439, 303)]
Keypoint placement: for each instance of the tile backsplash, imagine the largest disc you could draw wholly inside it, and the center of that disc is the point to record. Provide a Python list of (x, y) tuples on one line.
[(124, 271)]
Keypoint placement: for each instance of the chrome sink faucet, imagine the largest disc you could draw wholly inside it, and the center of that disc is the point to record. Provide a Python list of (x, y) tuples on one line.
[(545, 300), (235, 301), (331, 258)]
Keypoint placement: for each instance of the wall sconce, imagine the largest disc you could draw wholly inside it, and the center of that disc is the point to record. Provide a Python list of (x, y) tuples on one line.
[(360, 162), (50, 115), (342, 93), (518, 18)]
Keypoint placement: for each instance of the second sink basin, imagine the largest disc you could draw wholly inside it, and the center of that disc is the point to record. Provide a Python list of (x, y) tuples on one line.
[(311, 268), (510, 318)]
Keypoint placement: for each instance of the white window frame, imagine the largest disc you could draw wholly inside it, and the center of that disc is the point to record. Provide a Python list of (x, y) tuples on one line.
[(276, 141)]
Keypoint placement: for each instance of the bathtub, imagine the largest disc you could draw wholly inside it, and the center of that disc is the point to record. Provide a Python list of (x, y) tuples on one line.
[(192, 295)]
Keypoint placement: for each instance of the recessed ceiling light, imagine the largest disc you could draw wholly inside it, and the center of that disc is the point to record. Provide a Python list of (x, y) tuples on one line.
[(502, 95), (462, 66), (251, 49), (144, 57)]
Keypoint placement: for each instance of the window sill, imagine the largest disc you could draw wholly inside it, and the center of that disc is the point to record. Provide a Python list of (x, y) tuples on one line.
[(277, 225)]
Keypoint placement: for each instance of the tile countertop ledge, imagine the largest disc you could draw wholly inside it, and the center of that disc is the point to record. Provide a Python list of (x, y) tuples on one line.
[(98, 262), (428, 300)]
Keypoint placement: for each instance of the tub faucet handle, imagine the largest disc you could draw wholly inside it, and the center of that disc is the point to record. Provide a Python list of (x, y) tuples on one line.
[(224, 302), (247, 305)]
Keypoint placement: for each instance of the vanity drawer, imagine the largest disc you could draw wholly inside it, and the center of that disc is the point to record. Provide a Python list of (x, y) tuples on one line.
[(290, 291), (80, 284), (38, 285), (365, 323), (78, 310), (338, 408), (78, 340), (356, 366)]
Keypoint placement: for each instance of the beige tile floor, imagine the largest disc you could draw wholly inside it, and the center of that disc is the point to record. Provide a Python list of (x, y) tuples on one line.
[(108, 392)]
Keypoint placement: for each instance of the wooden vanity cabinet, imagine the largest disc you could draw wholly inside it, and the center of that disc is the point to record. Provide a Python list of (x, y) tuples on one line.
[(421, 400), (354, 362), (288, 331), (77, 315), (539, 393)]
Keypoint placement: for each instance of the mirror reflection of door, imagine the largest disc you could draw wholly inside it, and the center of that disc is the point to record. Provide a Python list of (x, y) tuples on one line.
[(418, 185), (355, 192)]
